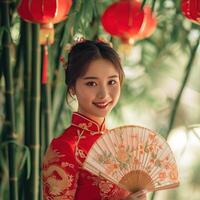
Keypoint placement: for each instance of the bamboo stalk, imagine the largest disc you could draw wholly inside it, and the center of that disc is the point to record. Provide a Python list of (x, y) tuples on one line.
[(19, 59), (1, 69), (22, 162), (32, 192), (3, 175), (18, 71), (45, 126), (27, 79), (184, 82), (153, 5), (1, 34), (26, 40), (66, 36), (46, 112), (9, 95), (58, 67), (143, 3), (59, 111)]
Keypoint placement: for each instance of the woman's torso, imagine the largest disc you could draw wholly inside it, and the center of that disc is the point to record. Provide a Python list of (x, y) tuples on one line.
[(62, 166)]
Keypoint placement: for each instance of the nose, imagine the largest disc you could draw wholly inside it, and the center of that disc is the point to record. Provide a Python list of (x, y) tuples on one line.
[(102, 92)]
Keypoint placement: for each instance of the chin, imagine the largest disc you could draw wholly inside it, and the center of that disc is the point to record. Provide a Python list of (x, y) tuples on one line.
[(102, 115)]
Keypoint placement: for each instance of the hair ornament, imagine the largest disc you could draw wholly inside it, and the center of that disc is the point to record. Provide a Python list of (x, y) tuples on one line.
[(62, 59), (64, 62), (68, 47), (100, 39), (78, 39)]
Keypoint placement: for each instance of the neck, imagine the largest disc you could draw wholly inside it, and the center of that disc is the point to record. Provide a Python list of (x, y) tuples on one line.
[(99, 120)]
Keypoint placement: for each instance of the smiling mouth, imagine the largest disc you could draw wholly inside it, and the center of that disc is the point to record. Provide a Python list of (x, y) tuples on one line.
[(102, 105)]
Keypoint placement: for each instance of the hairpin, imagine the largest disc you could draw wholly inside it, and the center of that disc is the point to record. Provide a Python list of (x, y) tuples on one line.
[(100, 39), (64, 62), (76, 40)]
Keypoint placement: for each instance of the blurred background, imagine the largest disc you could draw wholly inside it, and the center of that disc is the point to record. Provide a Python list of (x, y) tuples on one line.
[(161, 90)]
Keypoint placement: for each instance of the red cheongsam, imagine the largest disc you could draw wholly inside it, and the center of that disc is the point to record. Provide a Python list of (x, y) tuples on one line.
[(62, 173)]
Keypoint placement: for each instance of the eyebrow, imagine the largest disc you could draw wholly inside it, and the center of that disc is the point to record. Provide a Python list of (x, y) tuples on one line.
[(93, 77)]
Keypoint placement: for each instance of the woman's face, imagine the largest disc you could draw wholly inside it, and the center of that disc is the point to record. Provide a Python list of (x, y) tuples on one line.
[(98, 90)]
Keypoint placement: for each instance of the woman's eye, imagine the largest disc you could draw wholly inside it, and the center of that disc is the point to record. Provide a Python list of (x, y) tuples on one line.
[(112, 82), (91, 83)]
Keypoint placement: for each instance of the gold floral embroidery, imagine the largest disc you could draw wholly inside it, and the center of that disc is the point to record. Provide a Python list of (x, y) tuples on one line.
[(108, 190), (104, 185), (84, 125), (79, 152)]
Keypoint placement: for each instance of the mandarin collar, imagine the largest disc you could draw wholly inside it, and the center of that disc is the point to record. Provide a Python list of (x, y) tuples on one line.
[(86, 123)]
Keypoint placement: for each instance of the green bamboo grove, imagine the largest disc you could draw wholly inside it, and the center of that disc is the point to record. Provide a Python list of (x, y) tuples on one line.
[(31, 113)]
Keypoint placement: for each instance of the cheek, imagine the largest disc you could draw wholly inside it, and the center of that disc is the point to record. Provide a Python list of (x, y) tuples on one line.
[(115, 92), (84, 95)]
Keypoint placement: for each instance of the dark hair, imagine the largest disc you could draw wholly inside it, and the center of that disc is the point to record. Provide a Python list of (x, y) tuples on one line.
[(82, 54)]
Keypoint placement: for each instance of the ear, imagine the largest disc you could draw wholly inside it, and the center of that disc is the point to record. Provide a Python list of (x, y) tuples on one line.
[(72, 91)]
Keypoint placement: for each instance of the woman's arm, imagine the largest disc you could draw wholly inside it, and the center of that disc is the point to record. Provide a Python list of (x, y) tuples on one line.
[(59, 172)]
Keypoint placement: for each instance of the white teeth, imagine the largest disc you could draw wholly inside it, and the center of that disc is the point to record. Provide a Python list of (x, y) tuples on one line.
[(101, 104)]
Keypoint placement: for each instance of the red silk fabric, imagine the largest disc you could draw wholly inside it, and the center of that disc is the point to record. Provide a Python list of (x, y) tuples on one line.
[(62, 173)]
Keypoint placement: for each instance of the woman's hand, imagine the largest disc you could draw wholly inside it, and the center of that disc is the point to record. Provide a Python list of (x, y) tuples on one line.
[(140, 195)]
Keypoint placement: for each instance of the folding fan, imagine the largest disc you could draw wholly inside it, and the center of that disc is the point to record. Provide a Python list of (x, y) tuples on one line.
[(134, 158)]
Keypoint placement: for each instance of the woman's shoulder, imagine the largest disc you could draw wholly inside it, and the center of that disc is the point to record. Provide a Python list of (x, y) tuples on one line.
[(65, 139), (67, 134), (60, 152)]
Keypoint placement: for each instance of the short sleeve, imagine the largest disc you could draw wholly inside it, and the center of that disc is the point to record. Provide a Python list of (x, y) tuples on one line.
[(59, 172)]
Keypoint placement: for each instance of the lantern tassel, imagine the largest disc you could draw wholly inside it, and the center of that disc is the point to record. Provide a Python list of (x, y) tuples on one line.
[(45, 64)]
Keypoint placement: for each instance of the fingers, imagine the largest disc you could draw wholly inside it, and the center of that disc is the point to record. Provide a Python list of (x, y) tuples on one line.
[(140, 195)]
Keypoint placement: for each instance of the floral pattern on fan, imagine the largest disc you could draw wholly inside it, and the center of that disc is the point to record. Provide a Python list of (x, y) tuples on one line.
[(137, 152)]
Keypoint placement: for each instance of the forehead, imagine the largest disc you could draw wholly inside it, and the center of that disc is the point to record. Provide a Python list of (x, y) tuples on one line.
[(101, 67)]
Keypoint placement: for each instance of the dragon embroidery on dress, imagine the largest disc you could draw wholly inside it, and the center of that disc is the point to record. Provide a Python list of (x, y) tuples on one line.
[(56, 181), (52, 156), (55, 176), (66, 164)]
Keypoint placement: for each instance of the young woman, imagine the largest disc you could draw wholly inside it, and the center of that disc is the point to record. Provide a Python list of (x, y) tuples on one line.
[(94, 76)]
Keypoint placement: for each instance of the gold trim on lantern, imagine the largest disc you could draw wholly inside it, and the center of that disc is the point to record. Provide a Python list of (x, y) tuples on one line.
[(46, 35)]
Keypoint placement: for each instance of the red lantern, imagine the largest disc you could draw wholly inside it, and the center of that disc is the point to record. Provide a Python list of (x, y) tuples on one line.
[(148, 25), (128, 20), (191, 10), (125, 16), (46, 13)]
